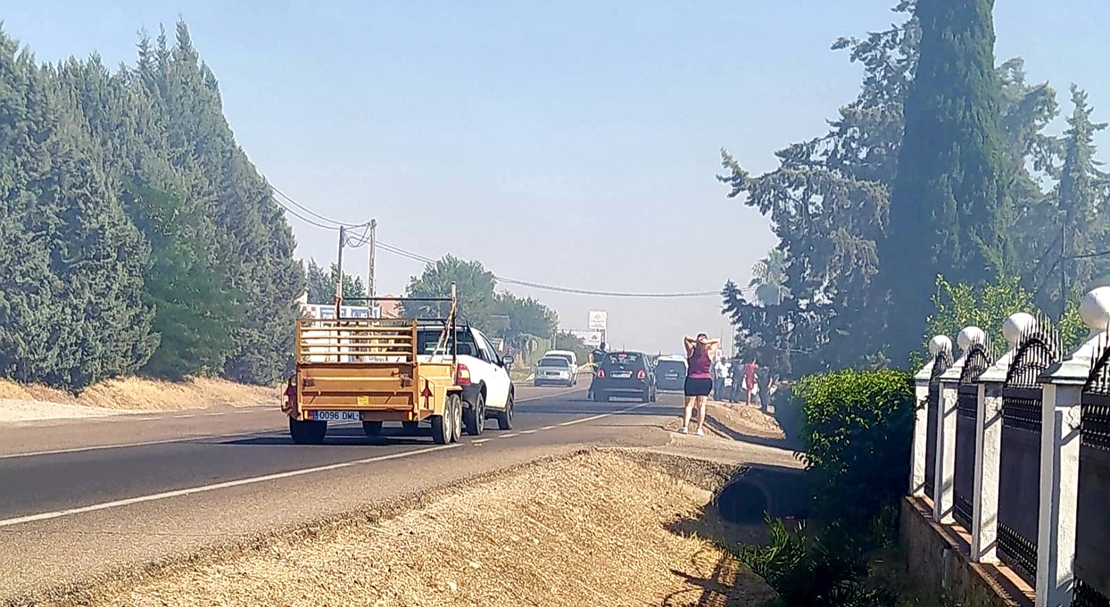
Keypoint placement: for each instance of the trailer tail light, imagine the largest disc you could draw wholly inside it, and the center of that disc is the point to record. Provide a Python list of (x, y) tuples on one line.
[(641, 374), (462, 376), (601, 373)]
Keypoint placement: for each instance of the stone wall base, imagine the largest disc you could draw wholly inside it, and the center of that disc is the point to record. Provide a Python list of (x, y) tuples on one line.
[(938, 559)]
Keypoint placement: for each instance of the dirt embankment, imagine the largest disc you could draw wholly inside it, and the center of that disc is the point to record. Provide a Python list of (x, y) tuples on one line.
[(19, 402), (599, 528)]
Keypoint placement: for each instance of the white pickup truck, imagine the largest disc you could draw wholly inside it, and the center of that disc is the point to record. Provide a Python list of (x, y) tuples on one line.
[(487, 390)]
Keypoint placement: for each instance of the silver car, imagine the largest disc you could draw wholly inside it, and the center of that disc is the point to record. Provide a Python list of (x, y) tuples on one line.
[(554, 371)]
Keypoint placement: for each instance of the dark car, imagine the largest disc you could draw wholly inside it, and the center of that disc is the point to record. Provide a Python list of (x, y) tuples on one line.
[(670, 374), (624, 375)]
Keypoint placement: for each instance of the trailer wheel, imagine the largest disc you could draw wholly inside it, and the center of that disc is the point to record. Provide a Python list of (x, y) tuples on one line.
[(456, 420), (474, 418), (372, 429), (445, 427), (505, 418), (307, 432)]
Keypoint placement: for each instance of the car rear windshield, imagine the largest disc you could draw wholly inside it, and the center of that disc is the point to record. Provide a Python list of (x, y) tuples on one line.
[(554, 362), (671, 365), (621, 358), (426, 339)]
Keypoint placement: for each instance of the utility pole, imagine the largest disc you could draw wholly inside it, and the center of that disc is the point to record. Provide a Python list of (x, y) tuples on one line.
[(1063, 269), (371, 286), (339, 271)]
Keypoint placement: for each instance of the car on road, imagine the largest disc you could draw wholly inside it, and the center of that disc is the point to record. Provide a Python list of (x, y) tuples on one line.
[(624, 374), (670, 373), (570, 357), (487, 390), (555, 371)]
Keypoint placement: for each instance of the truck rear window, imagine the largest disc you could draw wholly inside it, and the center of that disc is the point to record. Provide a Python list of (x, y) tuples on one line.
[(426, 342), (554, 362)]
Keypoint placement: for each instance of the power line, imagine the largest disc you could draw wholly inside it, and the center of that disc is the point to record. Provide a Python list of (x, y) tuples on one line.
[(535, 285), (313, 213), (364, 238)]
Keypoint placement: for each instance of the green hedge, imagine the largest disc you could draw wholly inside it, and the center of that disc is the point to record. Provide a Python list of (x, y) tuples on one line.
[(856, 436)]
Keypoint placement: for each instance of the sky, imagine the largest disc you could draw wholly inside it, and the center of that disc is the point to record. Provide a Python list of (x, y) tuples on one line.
[(570, 143)]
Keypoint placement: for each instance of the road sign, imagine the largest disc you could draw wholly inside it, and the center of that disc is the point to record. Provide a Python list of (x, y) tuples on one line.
[(598, 320), (590, 339)]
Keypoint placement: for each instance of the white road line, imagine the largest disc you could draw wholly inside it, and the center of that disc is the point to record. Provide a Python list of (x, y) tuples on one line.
[(552, 395), (528, 431), (546, 428), (603, 415), (141, 444), (509, 435), (216, 487), (252, 411), (480, 441)]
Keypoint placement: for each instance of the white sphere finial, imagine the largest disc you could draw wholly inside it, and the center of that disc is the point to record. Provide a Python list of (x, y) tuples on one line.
[(940, 343), (1015, 325), (1095, 309), (970, 336)]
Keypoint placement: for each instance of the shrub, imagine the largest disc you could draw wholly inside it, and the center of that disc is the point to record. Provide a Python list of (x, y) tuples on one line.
[(857, 432)]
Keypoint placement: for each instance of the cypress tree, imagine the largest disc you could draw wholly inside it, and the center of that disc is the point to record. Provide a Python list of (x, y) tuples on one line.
[(948, 210)]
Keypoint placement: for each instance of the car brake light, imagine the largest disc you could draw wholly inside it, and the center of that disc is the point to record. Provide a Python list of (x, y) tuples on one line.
[(462, 376), (640, 374), (601, 373)]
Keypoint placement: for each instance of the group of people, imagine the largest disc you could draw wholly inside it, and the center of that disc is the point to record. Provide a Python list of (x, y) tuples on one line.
[(733, 380), (704, 377)]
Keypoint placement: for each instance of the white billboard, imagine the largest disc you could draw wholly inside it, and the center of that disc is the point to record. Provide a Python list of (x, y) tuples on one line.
[(591, 339), (598, 320)]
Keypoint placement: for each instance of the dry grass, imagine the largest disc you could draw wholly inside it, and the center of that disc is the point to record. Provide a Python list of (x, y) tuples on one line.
[(737, 419), (585, 531), (136, 394)]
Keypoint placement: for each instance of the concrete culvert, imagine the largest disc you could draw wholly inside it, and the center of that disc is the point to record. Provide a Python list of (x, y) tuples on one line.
[(742, 503)]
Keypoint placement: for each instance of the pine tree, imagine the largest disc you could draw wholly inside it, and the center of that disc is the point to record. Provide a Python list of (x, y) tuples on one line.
[(948, 210), (1080, 197)]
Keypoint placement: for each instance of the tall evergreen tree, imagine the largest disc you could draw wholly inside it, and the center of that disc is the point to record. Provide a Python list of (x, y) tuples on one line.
[(1080, 196), (71, 305), (948, 210)]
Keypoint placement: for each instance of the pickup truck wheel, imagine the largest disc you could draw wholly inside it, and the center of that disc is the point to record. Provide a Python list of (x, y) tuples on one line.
[(442, 430), (372, 429), (505, 418), (474, 418), (307, 432)]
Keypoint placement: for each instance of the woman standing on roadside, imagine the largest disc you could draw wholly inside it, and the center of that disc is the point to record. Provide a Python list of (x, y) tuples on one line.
[(699, 378)]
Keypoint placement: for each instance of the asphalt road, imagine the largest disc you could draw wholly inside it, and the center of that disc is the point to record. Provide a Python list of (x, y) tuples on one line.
[(83, 497)]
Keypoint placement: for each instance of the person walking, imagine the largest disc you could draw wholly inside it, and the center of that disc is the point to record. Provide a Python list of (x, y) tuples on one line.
[(720, 379), (750, 370), (736, 372), (700, 352)]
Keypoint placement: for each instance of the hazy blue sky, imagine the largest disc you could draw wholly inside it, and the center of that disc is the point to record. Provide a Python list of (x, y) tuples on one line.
[(545, 131)]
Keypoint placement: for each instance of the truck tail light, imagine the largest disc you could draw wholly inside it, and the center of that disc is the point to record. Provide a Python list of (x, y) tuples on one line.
[(462, 375)]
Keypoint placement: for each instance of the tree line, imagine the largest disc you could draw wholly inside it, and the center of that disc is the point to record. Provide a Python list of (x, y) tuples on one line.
[(136, 237), (878, 241)]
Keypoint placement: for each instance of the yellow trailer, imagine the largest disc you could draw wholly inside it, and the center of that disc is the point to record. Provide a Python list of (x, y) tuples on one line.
[(375, 370)]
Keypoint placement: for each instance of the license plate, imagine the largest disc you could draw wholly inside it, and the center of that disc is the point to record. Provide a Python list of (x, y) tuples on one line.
[(336, 416), (622, 375)]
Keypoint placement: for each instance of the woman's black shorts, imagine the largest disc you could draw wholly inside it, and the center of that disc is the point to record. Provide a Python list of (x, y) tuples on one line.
[(698, 386)]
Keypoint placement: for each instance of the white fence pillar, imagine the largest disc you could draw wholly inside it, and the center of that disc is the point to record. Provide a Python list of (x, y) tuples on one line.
[(1061, 415), (944, 478), (988, 445), (945, 471), (937, 345)]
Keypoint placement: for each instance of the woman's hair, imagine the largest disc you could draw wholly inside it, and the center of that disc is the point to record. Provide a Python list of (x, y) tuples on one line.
[(701, 335)]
